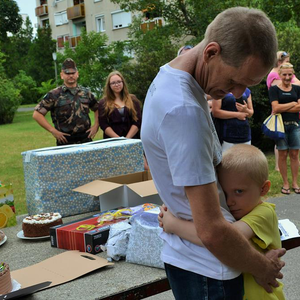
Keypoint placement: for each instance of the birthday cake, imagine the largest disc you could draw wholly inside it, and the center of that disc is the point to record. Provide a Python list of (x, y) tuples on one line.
[(39, 225), (5, 279)]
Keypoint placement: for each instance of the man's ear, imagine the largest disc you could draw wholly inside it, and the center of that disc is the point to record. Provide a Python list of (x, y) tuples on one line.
[(265, 188), (211, 50)]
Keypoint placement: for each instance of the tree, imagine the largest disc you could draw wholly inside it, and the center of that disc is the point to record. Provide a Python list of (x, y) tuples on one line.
[(152, 50), (9, 96), (39, 61), (17, 48), (95, 59), (10, 20)]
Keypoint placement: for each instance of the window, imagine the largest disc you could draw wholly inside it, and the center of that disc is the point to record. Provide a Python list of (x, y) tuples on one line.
[(121, 19), (97, 0), (100, 23), (61, 18), (61, 40)]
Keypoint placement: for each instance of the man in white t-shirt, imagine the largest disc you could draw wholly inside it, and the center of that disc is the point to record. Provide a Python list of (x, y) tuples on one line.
[(182, 150)]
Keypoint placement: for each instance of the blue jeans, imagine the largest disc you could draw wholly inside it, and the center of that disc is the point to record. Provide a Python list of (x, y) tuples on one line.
[(187, 285)]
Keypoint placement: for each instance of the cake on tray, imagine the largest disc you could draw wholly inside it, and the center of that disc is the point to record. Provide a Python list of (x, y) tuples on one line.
[(5, 279), (39, 225)]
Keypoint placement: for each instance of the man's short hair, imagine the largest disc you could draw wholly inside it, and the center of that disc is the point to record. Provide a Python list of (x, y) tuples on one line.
[(248, 160), (242, 32), (69, 66)]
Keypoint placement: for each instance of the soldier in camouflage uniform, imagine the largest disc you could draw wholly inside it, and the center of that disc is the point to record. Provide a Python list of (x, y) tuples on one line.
[(69, 105)]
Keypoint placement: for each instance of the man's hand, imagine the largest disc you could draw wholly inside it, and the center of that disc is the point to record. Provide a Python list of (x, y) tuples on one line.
[(60, 136), (93, 131), (268, 278)]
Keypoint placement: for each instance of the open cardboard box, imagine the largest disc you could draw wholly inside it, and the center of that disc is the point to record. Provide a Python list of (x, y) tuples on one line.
[(58, 269), (122, 191)]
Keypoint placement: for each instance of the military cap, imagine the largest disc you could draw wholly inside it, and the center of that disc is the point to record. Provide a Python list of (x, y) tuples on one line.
[(69, 66)]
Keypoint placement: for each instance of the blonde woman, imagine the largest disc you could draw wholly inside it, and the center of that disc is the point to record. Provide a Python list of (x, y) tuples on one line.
[(119, 111), (273, 77), (285, 99)]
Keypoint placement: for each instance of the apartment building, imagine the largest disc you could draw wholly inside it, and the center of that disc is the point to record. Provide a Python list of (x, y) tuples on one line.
[(67, 17)]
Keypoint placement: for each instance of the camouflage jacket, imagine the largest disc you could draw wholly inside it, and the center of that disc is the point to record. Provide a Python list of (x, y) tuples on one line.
[(69, 108)]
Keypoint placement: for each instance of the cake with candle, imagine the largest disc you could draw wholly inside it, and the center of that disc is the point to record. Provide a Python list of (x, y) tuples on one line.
[(39, 225), (5, 279)]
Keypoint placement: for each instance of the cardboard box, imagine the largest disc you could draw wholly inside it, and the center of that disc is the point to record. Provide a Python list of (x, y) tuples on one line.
[(85, 235), (51, 173), (59, 269), (122, 191), (7, 206)]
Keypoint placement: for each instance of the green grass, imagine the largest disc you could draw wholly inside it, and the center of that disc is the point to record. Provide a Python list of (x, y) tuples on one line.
[(25, 134)]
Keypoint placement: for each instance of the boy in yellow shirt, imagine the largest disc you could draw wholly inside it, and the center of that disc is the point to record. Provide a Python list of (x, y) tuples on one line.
[(243, 175)]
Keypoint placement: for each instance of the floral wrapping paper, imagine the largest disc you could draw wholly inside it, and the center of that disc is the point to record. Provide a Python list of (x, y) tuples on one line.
[(51, 173), (145, 245)]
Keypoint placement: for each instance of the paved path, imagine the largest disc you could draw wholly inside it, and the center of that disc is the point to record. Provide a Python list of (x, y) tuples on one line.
[(21, 109)]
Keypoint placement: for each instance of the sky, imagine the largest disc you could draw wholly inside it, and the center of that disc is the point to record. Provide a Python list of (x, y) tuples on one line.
[(28, 7)]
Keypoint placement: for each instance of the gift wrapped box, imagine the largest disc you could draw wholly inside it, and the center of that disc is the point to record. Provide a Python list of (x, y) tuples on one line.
[(145, 245), (51, 173)]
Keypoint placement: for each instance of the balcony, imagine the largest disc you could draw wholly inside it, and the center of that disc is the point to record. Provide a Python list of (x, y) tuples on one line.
[(150, 24), (76, 11), (74, 40), (41, 10), (61, 40)]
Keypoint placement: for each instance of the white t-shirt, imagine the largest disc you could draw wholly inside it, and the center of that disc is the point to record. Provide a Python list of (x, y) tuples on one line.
[(182, 149)]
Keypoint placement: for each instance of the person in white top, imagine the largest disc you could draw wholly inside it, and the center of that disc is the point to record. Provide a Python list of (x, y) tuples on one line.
[(183, 150)]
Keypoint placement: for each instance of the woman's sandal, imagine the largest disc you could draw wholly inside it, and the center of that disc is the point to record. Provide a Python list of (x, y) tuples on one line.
[(296, 190), (285, 191)]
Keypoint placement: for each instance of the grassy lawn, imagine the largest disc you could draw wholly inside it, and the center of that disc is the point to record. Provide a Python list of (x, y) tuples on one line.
[(25, 134)]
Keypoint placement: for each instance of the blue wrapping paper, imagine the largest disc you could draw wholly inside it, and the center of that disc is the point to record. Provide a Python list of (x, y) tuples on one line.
[(51, 173)]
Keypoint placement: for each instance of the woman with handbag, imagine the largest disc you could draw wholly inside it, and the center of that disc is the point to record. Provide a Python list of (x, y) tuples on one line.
[(285, 99), (274, 79)]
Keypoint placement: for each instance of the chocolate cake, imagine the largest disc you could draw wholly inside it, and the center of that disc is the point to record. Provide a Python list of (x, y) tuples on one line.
[(39, 225), (5, 279)]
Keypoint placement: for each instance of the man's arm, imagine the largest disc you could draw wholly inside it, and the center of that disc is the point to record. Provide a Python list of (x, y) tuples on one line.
[(226, 242), (42, 121)]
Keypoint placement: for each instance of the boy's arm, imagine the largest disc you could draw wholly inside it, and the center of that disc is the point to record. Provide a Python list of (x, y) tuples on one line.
[(186, 229)]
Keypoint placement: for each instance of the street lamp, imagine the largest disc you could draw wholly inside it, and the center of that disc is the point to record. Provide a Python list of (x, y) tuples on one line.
[(55, 65)]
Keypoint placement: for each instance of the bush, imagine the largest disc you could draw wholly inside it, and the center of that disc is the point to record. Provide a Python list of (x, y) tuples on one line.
[(44, 89), (27, 86), (9, 101)]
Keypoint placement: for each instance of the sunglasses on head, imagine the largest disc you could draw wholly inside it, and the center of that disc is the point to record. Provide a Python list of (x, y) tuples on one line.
[(187, 47), (284, 54)]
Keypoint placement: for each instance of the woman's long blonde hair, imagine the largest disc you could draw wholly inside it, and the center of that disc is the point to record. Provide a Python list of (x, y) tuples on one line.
[(109, 95)]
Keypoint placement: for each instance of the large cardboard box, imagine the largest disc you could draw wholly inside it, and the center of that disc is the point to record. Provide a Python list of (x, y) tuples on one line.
[(122, 191), (85, 235), (52, 173)]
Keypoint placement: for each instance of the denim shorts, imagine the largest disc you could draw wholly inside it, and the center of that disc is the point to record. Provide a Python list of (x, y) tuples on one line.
[(292, 138), (188, 285)]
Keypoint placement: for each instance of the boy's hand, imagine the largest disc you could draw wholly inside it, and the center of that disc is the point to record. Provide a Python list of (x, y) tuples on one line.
[(166, 220)]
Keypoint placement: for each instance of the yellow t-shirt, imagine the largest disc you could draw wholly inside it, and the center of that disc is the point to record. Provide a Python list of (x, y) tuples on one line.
[(264, 223)]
